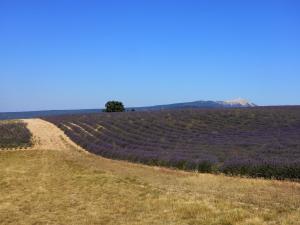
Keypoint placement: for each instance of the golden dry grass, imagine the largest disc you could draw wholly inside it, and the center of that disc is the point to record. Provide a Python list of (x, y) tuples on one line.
[(68, 186)]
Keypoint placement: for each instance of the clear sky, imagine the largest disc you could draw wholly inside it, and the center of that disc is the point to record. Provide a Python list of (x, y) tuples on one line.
[(79, 54)]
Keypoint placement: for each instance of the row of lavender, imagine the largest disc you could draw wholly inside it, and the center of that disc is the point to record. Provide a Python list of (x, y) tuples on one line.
[(259, 142), (14, 134)]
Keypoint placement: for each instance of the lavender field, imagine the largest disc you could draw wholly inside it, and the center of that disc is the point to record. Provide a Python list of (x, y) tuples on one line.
[(257, 142), (14, 134)]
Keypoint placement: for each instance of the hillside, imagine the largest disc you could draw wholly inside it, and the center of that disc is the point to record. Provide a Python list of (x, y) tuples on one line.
[(37, 114), (263, 141), (66, 185), (237, 103)]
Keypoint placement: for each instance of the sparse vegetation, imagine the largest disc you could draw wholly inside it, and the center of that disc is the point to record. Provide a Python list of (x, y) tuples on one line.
[(14, 134), (70, 187), (258, 142)]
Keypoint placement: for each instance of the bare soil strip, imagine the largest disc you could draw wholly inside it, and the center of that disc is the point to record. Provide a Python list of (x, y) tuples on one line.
[(47, 136)]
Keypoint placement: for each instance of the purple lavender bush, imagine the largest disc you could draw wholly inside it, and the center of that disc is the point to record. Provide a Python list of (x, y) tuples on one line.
[(256, 142)]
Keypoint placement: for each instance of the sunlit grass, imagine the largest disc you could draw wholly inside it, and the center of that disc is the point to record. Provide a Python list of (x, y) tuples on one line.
[(70, 187)]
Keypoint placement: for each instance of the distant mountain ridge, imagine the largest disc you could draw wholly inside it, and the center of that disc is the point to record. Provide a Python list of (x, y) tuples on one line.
[(239, 102), (236, 103), (42, 113)]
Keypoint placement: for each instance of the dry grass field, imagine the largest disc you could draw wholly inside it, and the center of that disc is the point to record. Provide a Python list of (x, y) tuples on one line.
[(59, 183)]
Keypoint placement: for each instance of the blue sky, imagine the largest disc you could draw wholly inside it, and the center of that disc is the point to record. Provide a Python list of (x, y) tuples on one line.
[(79, 54)]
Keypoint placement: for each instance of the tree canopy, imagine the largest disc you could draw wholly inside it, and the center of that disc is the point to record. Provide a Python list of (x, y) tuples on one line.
[(114, 106)]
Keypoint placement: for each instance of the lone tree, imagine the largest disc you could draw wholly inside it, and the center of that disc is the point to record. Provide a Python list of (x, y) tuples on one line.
[(114, 106)]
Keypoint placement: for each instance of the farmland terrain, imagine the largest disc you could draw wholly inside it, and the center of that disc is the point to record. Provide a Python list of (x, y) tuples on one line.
[(257, 142), (57, 182)]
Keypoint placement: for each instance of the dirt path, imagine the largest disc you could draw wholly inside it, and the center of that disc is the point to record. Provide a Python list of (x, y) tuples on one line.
[(48, 136)]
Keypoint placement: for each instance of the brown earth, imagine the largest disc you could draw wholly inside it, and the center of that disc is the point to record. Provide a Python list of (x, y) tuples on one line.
[(57, 183), (48, 136)]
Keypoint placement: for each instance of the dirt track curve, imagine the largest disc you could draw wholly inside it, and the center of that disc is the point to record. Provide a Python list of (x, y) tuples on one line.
[(47, 136)]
